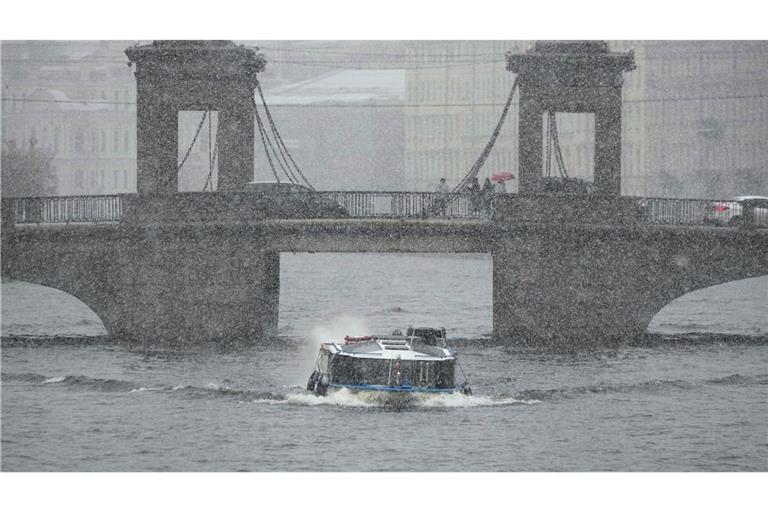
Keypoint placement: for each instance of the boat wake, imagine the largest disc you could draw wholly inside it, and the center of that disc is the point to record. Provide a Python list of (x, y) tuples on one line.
[(296, 395), (346, 398)]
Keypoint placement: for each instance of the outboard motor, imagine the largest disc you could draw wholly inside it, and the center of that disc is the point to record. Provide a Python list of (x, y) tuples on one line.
[(312, 382), (321, 389)]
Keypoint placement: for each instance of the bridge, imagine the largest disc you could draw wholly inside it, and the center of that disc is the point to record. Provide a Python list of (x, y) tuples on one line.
[(165, 265)]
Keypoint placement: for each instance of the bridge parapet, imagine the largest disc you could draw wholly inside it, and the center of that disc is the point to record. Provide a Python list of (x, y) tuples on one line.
[(246, 206), (222, 207), (553, 209)]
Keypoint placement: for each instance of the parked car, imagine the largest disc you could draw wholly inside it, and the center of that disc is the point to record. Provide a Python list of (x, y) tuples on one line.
[(293, 200), (563, 185), (730, 213)]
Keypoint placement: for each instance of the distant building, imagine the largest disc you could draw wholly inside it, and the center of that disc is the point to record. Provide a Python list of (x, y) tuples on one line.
[(77, 100), (344, 129), (697, 119), (455, 94), (695, 116)]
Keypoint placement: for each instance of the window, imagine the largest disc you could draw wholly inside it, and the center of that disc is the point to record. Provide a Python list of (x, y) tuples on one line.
[(115, 141), (79, 179), (80, 142)]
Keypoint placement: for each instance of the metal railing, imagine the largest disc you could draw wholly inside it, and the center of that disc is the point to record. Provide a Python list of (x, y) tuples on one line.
[(656, 210), (67, 209), (431, 205), (723, 212), (403, 205)]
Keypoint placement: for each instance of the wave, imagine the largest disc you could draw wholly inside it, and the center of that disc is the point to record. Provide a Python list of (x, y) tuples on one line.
[(396, 309), (213, 390), (23, 377), (92, 383), (576, 391), (397, 401), (650, 386), (739, 380), (77, 381), (296, 395)]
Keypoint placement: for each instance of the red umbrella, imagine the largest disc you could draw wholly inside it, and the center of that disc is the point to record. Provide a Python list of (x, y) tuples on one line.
[(502, 176)]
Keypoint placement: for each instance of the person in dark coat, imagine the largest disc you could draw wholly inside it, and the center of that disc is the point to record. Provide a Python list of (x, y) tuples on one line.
[(487, 194), (475, 199)]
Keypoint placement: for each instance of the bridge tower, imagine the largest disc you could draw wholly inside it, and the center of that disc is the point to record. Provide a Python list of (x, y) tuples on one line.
[(576, 77), (173, 76)]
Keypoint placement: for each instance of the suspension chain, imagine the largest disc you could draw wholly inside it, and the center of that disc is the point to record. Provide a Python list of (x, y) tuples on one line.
[(212, 153), (279, 140), (558, 153), (473, 172), (548, 162), (264, 142), (194, 139)]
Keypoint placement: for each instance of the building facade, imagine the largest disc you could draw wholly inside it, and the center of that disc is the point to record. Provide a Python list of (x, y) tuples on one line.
[(344, 129), (704, 110), (78, 101), (694, 116), (455, 92)]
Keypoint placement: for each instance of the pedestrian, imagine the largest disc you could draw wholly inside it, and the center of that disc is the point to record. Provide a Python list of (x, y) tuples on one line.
[(441, 201), (487, 194), (475, 198), (442, 187), (487, 186)]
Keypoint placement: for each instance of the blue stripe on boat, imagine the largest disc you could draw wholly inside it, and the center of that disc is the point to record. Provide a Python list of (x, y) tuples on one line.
[(376, 387)]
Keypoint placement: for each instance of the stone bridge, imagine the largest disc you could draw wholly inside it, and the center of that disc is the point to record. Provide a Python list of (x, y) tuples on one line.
[(164, 265), (554, 277)]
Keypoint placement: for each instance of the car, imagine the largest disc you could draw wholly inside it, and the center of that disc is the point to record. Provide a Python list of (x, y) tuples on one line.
[(730, 213), (566, 185), (293, 200)]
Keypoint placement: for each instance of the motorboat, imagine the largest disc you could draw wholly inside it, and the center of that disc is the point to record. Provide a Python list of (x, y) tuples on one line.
[(417, 362)]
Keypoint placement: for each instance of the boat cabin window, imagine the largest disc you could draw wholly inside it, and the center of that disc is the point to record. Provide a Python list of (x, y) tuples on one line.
[(351, 370), (433, 337)]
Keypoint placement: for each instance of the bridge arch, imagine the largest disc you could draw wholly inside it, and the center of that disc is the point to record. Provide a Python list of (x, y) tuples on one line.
[(38, 310), (733, 307)]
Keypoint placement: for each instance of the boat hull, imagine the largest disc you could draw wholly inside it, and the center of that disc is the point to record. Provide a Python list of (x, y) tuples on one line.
[(395, 389)]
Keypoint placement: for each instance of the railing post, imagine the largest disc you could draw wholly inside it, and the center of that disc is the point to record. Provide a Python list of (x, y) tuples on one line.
[(8, 210), (748, 214)]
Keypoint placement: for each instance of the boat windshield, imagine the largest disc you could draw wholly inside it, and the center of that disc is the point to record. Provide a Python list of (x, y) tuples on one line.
[(431, 336)]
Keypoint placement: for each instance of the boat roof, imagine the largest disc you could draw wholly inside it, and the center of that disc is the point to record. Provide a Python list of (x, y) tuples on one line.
[(390, 347)]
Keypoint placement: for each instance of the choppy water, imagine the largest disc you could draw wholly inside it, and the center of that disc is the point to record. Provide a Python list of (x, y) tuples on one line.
[(109, 406)]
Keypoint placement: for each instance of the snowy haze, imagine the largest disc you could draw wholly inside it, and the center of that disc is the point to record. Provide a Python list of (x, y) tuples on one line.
[(399, 115)]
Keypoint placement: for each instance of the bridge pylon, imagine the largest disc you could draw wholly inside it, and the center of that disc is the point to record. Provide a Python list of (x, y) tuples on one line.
[(173, 76), (577, 77)]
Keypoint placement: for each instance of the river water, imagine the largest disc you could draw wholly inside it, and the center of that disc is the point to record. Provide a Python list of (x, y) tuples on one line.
[(680, 404)]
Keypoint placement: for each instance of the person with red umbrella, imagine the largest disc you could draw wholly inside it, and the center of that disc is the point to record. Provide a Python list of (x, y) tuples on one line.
[(500, 178)]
